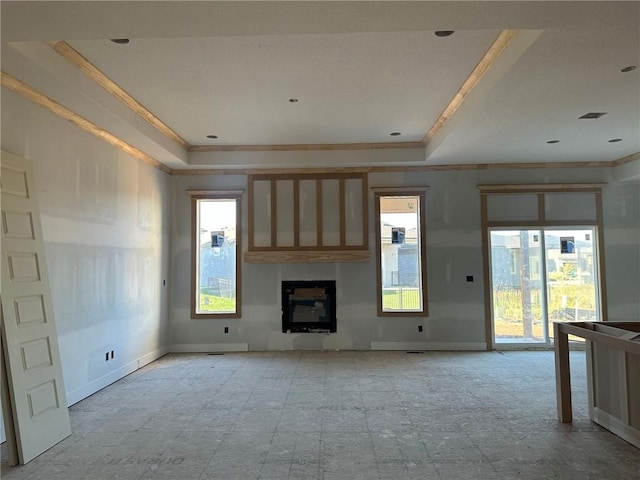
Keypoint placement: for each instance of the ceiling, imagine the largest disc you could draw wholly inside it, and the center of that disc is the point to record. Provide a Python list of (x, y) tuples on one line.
[(512, 77)]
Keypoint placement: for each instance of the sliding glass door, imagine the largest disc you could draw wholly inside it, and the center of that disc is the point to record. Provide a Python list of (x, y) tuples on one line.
[(572, 276), (517, 286), (539, 276)]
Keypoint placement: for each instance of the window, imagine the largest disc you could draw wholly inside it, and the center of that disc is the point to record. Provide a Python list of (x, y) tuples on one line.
[(215, 249), (400, 252), (514, 261)]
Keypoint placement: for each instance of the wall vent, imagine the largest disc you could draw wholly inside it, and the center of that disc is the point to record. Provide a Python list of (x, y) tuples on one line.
[(592, 115)]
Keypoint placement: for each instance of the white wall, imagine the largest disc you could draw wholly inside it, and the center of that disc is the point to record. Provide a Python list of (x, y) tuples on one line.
[(454, 250), (105, 226), (621, 205)]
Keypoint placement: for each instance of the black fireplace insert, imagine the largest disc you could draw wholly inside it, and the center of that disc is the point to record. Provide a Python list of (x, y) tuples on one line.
[(308, 306)]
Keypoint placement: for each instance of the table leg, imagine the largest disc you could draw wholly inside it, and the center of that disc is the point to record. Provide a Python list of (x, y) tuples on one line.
[(563, 375)]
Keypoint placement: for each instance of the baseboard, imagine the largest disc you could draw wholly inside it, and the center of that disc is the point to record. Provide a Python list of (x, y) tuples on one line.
[(106, 380), (209, 347), (474, 346)]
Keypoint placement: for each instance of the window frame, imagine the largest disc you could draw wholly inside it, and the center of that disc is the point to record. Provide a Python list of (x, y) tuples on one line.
[(420, 192), (196, 197)]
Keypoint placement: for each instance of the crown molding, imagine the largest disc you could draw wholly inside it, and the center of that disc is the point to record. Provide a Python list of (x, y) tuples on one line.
[(89, 69), (48, 103)]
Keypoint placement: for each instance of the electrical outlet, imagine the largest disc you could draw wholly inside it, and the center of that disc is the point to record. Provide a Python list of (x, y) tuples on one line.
[(420, 328), (226, 329)]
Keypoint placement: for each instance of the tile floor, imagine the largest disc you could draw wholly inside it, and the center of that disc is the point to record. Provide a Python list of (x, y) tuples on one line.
[(336, 415)]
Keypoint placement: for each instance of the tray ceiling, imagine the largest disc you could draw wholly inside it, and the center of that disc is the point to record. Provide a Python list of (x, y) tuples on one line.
[(358, 71)]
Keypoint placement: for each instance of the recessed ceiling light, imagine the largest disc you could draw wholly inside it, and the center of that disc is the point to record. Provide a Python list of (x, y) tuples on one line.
[(444, 33), (395, 134), (615, 140), (592, 115), (120, 41), (293, 100), (630, 68), (553, 141), (212, 136)]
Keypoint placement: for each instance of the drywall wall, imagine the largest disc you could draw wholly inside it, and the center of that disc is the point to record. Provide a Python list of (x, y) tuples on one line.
[(621, 212), (454, 251), (106, 233)]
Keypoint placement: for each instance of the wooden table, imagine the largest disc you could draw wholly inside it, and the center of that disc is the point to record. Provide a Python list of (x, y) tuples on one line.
[(613, 374)]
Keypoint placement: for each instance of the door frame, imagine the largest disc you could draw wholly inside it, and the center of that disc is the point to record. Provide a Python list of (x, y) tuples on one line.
[(541, 221)]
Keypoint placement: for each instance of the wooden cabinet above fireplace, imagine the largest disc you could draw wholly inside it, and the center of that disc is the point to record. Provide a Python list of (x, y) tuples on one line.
[(308, 218)]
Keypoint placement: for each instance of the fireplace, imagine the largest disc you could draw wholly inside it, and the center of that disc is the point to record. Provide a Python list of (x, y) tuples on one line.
[(309, 306)]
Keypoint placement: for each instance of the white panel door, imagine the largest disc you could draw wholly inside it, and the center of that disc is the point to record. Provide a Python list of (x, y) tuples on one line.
[(33, 365)]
